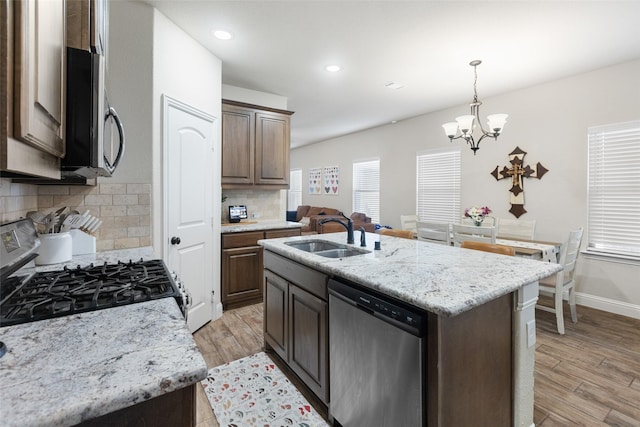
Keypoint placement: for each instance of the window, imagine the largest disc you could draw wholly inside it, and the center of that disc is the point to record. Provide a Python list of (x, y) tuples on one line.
[(294, 195), (438, 185), (613, 226), (366, 189)]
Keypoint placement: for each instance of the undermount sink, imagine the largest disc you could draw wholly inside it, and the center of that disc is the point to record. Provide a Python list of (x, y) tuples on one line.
[(327, 249)]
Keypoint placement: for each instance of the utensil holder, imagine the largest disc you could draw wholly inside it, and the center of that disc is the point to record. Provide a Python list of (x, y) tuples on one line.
[(54, 248), (82, 242)]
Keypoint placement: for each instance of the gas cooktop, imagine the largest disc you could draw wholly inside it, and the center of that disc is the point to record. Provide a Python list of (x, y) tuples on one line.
[(44, 295), (75, 290)]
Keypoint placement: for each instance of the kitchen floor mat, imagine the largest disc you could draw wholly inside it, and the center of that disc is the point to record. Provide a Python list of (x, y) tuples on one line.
[(253, 391)]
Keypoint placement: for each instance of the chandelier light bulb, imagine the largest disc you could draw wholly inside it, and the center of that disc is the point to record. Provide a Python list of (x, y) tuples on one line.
[(496, 122), (451, 129)]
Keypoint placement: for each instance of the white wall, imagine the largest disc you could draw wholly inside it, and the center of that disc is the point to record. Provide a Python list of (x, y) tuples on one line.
[(187, 72), (255, 97), (150, 56), (549, 122)]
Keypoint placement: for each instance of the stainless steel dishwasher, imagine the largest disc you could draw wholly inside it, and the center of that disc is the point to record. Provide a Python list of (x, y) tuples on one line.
[(377, 356)]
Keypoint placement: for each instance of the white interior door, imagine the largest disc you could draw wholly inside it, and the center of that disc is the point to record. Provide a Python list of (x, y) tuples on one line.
[(188, 181)]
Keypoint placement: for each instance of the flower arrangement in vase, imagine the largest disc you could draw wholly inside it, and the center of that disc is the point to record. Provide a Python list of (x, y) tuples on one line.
[(477, 214)]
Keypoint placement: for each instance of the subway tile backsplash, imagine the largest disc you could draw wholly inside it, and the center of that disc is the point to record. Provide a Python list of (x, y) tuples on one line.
[(262, 205), (125, 209)]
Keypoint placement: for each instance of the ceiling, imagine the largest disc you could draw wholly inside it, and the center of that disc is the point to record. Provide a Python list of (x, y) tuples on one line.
[(282, 47)]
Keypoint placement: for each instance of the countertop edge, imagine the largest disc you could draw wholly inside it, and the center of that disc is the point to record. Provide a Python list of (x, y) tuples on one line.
[(162, 358), (411, 258)]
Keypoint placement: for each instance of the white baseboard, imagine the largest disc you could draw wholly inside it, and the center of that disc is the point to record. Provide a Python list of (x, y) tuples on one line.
[(610, 305), (217, 311)]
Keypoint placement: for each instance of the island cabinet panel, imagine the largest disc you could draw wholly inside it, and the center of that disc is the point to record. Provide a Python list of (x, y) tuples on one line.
[(255, 146), (308, 340), (175, 409), (304, 320), (242, 266), (469, 367), (276, 313)]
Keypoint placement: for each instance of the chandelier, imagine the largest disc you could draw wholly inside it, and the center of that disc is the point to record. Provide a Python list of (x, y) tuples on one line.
[(467, 124)]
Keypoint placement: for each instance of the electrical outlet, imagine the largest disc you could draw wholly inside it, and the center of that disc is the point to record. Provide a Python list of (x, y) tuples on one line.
[(531, 333)]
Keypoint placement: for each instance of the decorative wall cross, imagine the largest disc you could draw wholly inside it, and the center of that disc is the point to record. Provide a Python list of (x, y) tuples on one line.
[(516, 173)]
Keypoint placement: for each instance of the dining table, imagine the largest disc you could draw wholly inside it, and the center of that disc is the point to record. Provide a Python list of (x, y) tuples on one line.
[(534, 249)]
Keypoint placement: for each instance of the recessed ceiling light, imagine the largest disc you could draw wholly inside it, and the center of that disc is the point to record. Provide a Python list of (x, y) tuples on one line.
[(332, 68), (222, 34)]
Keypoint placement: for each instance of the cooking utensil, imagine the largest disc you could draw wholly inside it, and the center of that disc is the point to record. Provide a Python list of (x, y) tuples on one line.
[(73, 221), (95, 227), (93, 220)]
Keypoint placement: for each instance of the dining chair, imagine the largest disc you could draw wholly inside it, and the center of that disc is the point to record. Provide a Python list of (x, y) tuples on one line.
[(563, 281), (434, 232), (408, 222), (460, 233), (405, 234), (489, 247), (516, 228)]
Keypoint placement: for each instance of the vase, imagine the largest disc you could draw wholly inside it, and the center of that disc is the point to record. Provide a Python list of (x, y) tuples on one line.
[(477, 222)]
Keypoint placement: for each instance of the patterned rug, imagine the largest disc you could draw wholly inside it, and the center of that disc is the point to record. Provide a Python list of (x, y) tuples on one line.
[(253, 392)]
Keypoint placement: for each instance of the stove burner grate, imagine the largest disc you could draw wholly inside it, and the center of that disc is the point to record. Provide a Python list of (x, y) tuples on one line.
[(77, 290)]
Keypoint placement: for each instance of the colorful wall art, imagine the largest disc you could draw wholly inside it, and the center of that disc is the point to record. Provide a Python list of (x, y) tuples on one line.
[(315, 181), (330, 180)]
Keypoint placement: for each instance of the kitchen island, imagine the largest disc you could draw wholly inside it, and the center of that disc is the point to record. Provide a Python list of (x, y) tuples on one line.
[(463, 291), (130, 364)]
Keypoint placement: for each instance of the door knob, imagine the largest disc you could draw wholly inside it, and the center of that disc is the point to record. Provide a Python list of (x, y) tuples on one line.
[(175, 240)]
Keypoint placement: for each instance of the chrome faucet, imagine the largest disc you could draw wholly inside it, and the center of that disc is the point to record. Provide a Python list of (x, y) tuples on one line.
[(363, 240), (348, 226)]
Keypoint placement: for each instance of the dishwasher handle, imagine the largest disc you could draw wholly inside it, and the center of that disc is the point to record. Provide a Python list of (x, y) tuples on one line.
[(400, 315)]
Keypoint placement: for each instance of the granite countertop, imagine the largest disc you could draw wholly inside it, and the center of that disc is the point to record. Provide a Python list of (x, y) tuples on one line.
[(441, 279), (70, 369), (257, 226), (110, 257)]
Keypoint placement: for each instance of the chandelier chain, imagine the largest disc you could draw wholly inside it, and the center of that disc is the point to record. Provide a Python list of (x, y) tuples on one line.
[(475, 83)]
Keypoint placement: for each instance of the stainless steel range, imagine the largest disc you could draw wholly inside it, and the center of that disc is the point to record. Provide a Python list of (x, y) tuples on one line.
[(44, 295)]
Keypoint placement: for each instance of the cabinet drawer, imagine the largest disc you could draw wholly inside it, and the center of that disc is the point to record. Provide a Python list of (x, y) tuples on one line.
[(306, 278), (286, 232), (239, 240)]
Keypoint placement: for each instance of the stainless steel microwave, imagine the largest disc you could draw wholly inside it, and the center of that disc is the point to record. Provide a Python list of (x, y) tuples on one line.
[(95, 138)]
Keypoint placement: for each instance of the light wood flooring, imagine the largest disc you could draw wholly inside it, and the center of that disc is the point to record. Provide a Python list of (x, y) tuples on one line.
[(588, 377)]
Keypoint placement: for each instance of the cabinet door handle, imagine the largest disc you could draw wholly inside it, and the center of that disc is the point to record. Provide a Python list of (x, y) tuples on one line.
[(175, 240)]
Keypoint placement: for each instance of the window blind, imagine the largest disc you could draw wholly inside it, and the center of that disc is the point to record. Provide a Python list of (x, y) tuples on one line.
[(438, 185), (614, 190), (294, 195), (366, 189)]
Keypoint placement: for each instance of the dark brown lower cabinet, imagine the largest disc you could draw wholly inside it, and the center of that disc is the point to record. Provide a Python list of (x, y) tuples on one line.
[(308, 339), (469, 357), (296, 320), (241, 265), (241, 276), (276, 312), (175, 409)]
